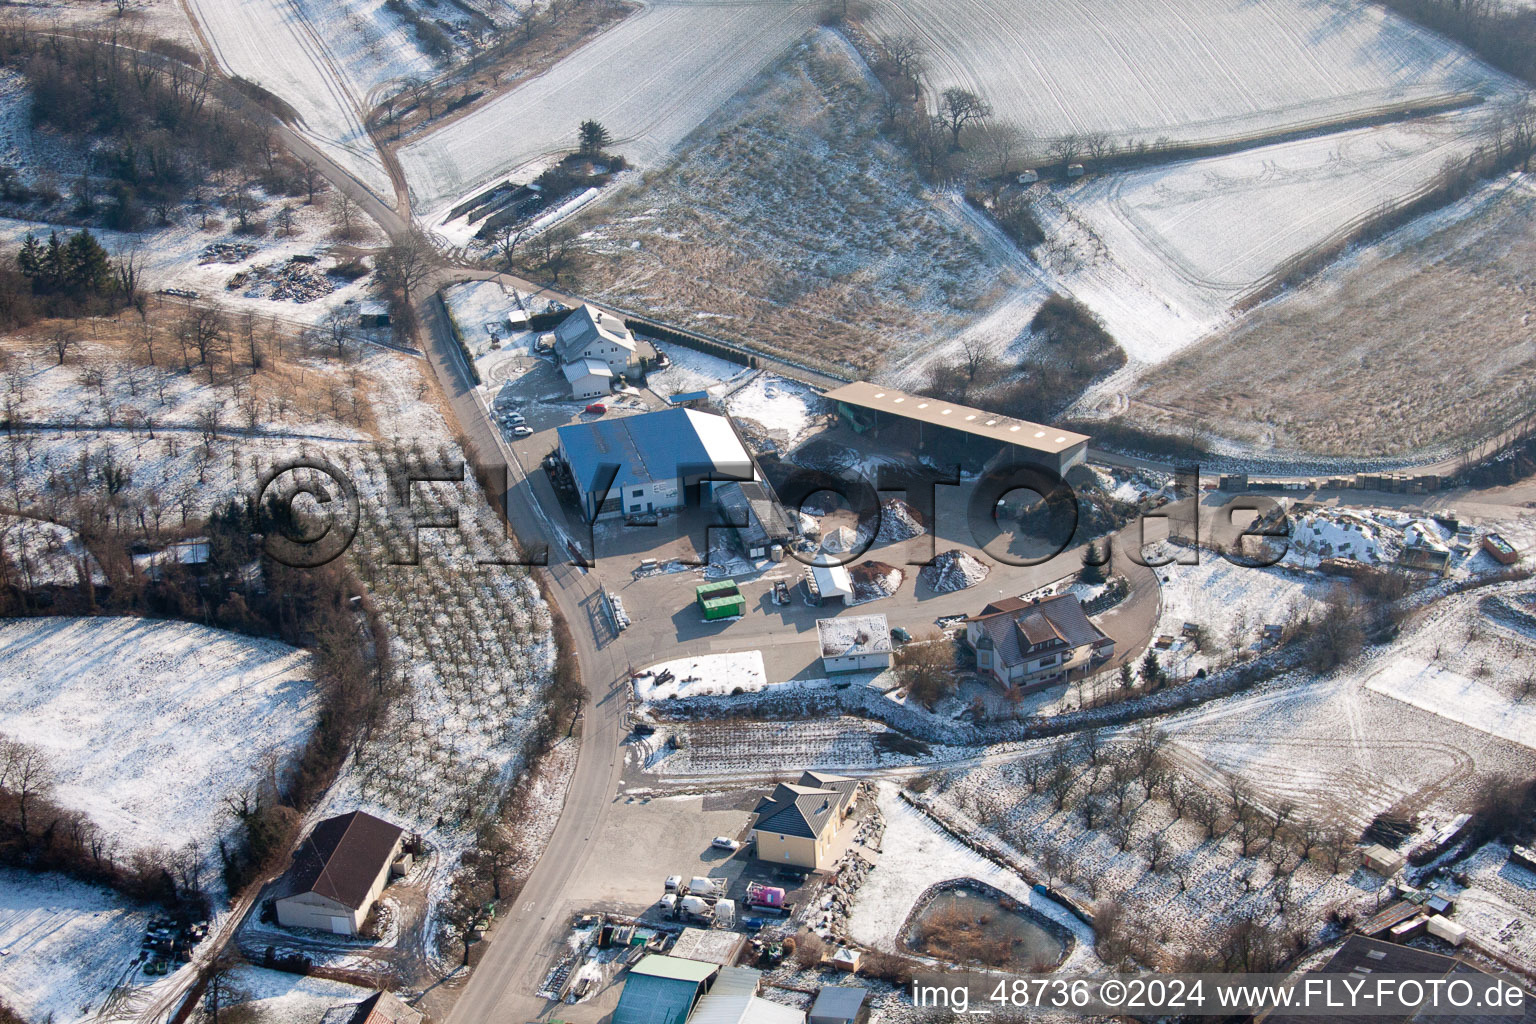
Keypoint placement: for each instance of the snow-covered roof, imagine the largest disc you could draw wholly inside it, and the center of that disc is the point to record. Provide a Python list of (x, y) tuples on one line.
[(581, 369), (854, 634), (663, 445), (833, 580)]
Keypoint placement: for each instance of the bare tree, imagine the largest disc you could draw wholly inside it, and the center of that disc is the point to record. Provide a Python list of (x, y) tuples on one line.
[(960, 108), (907, 58), (63, 342), (405, 266), (345, 209), (1066, 149)]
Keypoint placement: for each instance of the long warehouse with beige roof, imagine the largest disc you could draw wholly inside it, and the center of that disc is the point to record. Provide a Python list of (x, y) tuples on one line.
[(930, 422)]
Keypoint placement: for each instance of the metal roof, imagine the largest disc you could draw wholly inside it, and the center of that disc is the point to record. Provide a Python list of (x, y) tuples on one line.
[(649, 999), (741, 1008), (964, 418), (679, 968), (579, 368), (654, 446), (840, 1002)]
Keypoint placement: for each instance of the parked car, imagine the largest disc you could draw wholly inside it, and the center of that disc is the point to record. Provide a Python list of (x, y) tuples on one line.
[(724, 843), (900, 635), (521, 431), (515, 418), (598, 408)]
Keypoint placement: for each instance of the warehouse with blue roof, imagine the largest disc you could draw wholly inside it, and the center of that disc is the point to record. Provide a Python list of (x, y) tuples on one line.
[(663, 990), (642, 465)]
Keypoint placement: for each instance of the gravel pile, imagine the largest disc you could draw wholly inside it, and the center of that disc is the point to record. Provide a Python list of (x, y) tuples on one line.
[(874, 580), (898, 521), (954, 570)]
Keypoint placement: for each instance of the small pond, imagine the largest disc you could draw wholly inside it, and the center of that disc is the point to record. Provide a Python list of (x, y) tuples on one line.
[(973, 924)]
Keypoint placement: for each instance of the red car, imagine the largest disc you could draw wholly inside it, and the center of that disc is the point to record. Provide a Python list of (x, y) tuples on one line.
[(597, 407)]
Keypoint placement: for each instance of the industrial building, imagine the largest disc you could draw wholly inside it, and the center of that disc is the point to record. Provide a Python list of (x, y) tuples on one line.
[(642, 465), (337, 873), (927, 423)]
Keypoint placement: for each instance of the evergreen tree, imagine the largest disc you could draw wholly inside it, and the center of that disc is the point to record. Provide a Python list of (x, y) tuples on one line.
[(594, 138), (30, 260), (87, 268), (1151, 671)]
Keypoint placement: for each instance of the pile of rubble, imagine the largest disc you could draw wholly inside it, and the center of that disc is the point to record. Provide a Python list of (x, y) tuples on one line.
[(954, 570), (227, 252), (829, 917), (874, 580), (296, 281)]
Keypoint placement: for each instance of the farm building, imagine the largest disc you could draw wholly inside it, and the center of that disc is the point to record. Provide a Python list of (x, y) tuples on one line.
[(983, 436), (379, 1008), (1028, 645), (635, 465), (754, 516), (837, 1004), (337, 873), (710, 946), (797, 824), (720, 600), (372, 314), (854, 643), (733, 999), (663, 990), (588, 378)]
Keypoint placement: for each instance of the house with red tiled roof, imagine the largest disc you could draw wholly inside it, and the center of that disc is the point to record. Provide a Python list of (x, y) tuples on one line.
[(337, 873), (1029, 645)]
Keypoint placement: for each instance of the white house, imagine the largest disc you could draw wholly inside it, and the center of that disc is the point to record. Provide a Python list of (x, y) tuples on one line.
[(337, 873), (589, 333), (589, 378), (854, 643)]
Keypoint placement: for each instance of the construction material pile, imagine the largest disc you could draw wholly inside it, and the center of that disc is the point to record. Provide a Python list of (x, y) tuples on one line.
[(898, 522), (954, 570)]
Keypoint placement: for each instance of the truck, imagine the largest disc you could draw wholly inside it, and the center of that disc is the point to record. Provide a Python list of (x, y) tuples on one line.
[(696, 907), (699, 885), (766, 899)]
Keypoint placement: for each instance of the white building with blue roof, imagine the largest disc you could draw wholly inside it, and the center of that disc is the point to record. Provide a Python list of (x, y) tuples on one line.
[(642, 465)]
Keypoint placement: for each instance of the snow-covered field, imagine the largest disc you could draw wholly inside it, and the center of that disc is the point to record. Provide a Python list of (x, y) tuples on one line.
[(66, 945), (1141, 70), (282, 998), (275, 44), (703, 674), (1165, 253), (916, 854), (649, 81), (149, 724), (689, 370), (1403, 728), (1233, 603)]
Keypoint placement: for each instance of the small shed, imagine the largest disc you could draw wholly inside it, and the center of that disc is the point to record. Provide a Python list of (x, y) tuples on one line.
[(372, 314), (1028, 177), (845, 959), (1446, 930), (1385, 862), (837, 1004), (855, 643), (833, 583)]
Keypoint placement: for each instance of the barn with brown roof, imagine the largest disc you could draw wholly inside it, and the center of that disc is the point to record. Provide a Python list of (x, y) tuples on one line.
[(337, 873), (1029, 645)]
